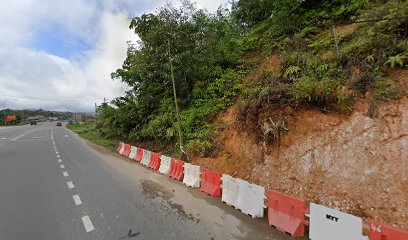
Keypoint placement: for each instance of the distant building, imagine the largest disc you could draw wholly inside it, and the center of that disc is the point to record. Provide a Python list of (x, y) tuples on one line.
[(78, 117), (37, 118)]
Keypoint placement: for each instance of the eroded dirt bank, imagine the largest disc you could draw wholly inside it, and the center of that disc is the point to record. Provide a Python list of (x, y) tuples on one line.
[(357, 163)]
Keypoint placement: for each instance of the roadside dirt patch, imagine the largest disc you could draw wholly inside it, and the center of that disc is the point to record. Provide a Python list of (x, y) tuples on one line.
[(350, 162), (237, 150)]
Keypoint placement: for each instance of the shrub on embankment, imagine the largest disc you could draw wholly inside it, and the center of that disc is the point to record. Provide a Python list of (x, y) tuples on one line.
[(330, 53)]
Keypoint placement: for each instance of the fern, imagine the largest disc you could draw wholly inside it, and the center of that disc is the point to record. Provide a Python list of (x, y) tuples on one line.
[(394, 61), (292, 71), (369, 58), (322, 68)]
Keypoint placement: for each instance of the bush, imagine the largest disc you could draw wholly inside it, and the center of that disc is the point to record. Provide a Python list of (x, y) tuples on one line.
[(385, 90)]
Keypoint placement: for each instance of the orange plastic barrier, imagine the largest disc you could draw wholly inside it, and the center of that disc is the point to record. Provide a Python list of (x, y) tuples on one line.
[(139, 154), (380, 231), (286, 213), (176, 169), (127, 150), (119, 147), (172, 167), (180, 170), (210, 182), (154, 161)]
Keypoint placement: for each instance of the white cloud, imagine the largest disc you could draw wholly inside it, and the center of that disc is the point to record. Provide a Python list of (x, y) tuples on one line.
[(210, 5), (31, 78)]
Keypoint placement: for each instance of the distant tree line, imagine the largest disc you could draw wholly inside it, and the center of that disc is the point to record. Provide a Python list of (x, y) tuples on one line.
[(23, 115)]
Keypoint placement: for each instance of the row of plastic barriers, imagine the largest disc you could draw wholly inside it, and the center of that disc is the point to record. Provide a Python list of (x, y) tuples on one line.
[(288, 214)]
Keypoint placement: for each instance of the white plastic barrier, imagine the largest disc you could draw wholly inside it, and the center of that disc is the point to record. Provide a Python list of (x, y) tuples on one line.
[(146, 157), (229, 190), (327, 223), (191, 175), (122, 148), (133, 151), (164, 164), (251, 198)]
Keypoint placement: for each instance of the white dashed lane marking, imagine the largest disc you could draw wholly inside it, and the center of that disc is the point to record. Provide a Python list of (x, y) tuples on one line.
[(77, 200), (87, 224), (70, 185), (86, 220)]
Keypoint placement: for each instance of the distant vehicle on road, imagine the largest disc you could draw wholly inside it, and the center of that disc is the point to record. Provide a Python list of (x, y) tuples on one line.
[(59, 124), (33, 123)]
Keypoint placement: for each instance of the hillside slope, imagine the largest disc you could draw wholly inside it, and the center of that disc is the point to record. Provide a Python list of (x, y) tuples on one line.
[(355, 162)]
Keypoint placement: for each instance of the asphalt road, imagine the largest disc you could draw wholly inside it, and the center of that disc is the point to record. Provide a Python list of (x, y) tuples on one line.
[(56, 186)]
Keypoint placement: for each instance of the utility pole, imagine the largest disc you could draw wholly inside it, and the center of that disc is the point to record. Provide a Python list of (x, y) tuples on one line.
[(175, 98)]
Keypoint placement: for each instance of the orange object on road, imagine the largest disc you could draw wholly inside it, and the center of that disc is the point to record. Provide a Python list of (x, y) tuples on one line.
[(380, 231), (139, 154), (286, 213), (172, 167), (176, 169), (127, 150), (154, 161), (210, 182), (180, 170)]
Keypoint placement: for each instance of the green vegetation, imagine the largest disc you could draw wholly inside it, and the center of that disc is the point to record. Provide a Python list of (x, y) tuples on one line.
[(329, 53), (89, 132)]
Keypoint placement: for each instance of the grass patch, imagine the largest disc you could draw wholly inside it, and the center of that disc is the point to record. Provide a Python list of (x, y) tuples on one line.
[(89, 132)]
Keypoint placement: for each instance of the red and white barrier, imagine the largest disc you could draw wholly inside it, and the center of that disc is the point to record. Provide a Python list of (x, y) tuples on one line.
[(251, 198), (286, 213), (165, 164), (139, 154), (380, 231), (126, 152), (210, 182), (154, 161), (327, 223), (133, 152), (176, 169), (146, 157), (229, 190), (191, 175), (121, 148)]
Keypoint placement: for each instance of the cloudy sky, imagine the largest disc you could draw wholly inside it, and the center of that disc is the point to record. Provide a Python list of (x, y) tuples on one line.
[(58, 55)]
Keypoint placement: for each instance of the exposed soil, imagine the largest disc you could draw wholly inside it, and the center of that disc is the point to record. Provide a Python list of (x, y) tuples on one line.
[(346, 29), (357, 163)]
